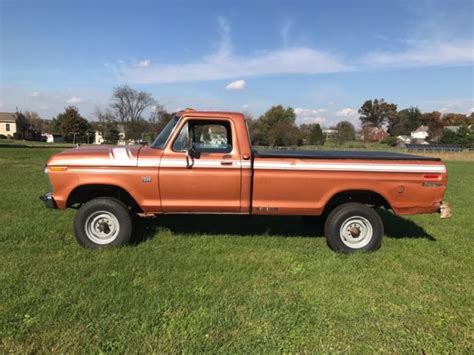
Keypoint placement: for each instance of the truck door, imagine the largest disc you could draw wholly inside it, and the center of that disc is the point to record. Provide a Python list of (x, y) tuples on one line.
[(209, 179)]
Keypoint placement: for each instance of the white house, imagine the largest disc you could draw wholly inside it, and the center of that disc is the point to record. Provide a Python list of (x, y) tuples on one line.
[(420, 133), (330, 133), (98, 139), (7, 123)]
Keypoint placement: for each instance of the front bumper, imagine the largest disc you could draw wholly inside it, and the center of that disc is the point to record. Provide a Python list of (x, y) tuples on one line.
[(48, 200)]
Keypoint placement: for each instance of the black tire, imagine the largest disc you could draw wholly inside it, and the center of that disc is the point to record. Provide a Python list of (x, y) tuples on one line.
[(365, 223), (105, 211)]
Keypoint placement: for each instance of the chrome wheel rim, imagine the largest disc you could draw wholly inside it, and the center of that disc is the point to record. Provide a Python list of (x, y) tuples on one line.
[(102, 227), (356, 232)]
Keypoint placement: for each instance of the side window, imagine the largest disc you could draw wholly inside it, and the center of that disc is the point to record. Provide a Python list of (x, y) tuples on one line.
[(181, 142), (7, 127), (206, 136)]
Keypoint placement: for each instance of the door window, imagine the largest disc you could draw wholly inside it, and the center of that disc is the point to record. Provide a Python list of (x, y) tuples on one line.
[(205, 136)]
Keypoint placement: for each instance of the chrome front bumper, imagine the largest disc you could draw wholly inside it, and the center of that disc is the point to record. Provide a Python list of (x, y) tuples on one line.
[(48, 200)]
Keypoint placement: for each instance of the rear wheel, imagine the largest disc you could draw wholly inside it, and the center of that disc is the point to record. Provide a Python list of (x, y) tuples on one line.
[(103, 222), (353, 227)]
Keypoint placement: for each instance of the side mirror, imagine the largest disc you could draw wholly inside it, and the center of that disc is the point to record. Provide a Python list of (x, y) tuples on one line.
[(191, 154)]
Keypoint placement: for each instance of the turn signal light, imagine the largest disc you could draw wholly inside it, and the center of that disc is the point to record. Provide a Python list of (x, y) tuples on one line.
[(57, 168), (431, 176)]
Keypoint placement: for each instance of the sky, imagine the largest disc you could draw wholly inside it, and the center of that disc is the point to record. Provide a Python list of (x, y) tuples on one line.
[(323, 58)]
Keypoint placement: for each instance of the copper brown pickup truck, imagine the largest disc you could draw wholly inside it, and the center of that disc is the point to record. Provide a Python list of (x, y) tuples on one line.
[(203, 162)]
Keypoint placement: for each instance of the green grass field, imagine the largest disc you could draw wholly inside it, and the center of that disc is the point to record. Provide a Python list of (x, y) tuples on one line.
[(231, 284)]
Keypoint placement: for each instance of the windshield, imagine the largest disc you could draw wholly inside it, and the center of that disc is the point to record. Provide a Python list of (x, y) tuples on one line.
[(162, 137)]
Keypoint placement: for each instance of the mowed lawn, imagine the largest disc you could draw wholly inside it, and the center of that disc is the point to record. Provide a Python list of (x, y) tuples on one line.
[(231, 284)]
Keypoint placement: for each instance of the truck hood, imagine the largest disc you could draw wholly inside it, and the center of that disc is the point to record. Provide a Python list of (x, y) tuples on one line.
[(97, 156)]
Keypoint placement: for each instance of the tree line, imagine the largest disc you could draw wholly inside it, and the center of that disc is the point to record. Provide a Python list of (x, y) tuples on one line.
[(378, 113), (136, 115)]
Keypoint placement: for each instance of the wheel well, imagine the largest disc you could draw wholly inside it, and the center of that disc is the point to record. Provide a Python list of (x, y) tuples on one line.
[(85, 193), (360, 196)]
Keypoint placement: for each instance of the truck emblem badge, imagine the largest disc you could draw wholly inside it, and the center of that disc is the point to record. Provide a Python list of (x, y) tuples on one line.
[(146, 178)]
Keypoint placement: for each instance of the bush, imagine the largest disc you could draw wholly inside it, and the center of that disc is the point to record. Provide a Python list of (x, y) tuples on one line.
[(2, 136), (389, 140)]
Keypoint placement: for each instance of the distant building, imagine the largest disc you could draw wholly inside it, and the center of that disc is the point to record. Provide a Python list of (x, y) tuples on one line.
[(7, 123), (52, 138), (452, 128), (330, 133), (373, 134), (98, 139), (420, 133)]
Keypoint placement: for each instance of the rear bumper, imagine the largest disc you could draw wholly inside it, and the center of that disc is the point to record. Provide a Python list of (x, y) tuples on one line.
[(441, 207), (48, 200), (445, 210)]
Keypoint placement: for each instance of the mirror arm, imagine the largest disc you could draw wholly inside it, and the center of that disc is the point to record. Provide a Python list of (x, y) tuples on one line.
[(189, 160)]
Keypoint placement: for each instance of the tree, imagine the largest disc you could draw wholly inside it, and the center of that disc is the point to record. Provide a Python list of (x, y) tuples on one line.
[(449, 137), (455, 119), (70, 124), (128, 104), (470, 119), (158, 119), (278, 127), (377, 112), (404, 122), (346, 132), (22, 126), (135, 129), (463, 136), (112, 134), (255, 130), (435, 125), (35, 121), (316, 136)]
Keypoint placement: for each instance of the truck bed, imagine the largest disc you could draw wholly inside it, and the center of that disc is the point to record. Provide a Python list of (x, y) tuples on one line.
[(339, 154)]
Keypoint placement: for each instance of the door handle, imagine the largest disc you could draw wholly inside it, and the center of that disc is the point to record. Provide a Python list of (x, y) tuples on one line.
[(227, 162)]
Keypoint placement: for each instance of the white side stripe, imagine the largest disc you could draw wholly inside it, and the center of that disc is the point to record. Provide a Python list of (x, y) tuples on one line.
[(397, 168), (122, 157)]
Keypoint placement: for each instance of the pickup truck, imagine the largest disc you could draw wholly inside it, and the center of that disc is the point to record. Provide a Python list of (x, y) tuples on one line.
[(203, 162)]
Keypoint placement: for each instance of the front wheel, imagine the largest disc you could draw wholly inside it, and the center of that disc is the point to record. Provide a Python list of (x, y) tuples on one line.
[(353, 227), (103, 222)]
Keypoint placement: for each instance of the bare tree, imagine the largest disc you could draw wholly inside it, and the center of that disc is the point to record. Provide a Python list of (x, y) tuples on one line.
[(158, 119), (128, 104), (35, 121)]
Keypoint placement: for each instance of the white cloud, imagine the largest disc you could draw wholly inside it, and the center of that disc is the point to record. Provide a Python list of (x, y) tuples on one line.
[(35, 94), (461, 105), (236, 85), (219, 66), (426, 52), (223, 64), (470, 110), (347, 113), (74, 100), (306, 115), (146, 63)]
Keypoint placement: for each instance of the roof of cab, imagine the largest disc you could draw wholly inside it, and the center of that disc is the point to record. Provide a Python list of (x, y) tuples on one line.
[(191, 112)]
